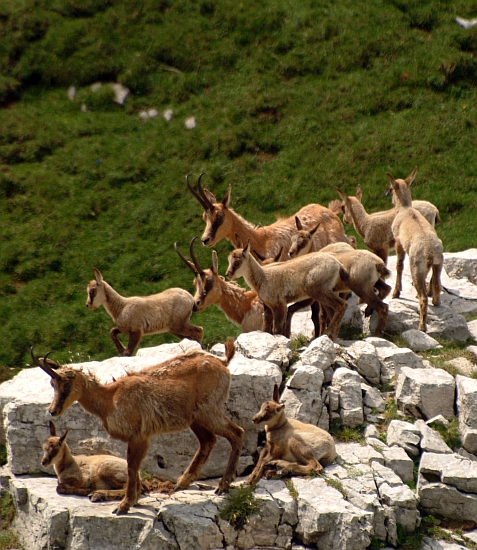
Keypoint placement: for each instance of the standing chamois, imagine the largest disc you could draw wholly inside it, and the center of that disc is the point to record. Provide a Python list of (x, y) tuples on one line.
[(168, 311), (293, 447), (366, 273), (223, 223), (101, 477), (415, 237), (375, 229), (313, 276), (189, 390)]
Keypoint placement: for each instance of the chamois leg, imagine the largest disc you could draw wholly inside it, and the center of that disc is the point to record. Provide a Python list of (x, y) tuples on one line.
[(436, 284), (297, 306), (382, 253), (235, 435), (267, 319), (114, 337), (317, 319), (257, 472), (306, 463), (399, 269), (374, 303), (207, 441), (134, 339), (279, 312), (383, 288), (106, 494), (136, 452), (188, 330), (66, 489), (420, 286), (329, 299)]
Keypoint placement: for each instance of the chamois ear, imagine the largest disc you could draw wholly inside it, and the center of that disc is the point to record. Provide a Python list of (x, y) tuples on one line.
[(341, 194), (276, 394), (258, 256), (313, 231), (210, 196), (52, 429), (215, 263), (359, 192), (246, 249), (226, 199), (298, 223), (411, 176), (97, 275), (392, 181), (63, 437)]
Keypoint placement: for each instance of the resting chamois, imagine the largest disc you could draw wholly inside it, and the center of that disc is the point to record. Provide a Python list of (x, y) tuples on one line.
[(223, 223), (168, 311), (101, 477), (189, 390), (293, 447)]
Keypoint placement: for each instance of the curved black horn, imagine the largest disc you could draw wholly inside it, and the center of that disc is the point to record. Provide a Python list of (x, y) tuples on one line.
[(204, 201), (202, 193), (44, 366), (194, 259), (189, 264)]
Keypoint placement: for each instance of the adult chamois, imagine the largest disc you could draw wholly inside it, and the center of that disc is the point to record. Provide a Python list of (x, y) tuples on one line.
[(189, 390), (168, 311), (292, 447), (223, 223)]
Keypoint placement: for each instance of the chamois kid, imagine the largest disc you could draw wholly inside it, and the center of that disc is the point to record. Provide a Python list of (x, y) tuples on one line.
[(189, 390), (292, 447), (101, 477)]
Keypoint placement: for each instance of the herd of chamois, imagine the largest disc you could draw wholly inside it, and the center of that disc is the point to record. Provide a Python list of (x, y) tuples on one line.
[(304, 260)]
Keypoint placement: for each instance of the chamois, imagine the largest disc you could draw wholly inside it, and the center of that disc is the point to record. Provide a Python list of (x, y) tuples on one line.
[(243, 307), (366, 272), (375, 229), (101, 477), (188, 390), (415, 237), (168, 311), (313, 276), (292, 447), (222, 222)]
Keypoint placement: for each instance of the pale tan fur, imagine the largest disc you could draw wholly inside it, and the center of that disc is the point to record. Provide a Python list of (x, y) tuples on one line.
[(313, 276), (189, 390), (168, 311), (101, 477), (223, 223), (375, 229), (415, 237), (292, 447), (366, 273)]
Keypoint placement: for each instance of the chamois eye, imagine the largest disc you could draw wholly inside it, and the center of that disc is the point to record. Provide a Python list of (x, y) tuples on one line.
[(237, 263), (220, 215), (67, 386)]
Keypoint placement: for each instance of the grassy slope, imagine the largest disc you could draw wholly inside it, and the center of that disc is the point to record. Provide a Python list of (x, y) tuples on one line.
[(290, 101)]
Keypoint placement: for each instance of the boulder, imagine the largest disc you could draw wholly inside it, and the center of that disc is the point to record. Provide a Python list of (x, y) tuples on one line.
[(265, 347), (348, 384), (466, 404), (419, 341), (394, 359), (424, 393), (462, 264)]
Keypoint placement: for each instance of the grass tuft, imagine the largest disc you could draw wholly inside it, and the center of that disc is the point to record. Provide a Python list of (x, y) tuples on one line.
[(240, 505)]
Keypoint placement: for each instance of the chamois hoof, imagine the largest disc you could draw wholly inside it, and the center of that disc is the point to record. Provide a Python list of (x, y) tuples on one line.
[(95, 497), (120, 512)]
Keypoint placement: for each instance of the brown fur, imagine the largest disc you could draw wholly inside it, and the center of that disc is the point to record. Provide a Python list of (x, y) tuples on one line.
[(187, 391), (168, 311), (223, 223), (293, 447), (101, 477), (313, 276), (416, 237)]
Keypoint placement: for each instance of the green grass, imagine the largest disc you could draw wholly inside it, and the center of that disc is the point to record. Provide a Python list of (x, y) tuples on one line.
[(8, 539), (291, 100), (346, 433), (240, 505)]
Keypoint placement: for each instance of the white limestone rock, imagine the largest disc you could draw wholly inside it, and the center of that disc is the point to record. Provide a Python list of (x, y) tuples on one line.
[(398, 461), (419, 341), (461, 265), (366, 360), (372, 398), (431, 440), (424, 393), (405, 435), (327, 520), (320, 353), (466, 404), (394, 359), (348, 383), (265, 347)]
